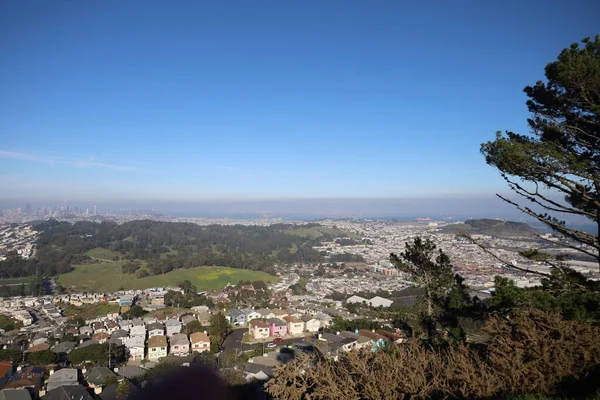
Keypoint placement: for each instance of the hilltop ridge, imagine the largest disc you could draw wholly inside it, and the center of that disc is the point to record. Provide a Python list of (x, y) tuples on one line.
[(491, 227)]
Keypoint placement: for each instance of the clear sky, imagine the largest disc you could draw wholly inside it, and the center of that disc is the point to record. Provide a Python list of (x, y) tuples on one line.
[(176, 100)]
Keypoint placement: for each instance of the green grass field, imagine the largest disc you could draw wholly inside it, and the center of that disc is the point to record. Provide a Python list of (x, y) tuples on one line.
[(107, 277), (15, 281), (102, 254), (319, 231)]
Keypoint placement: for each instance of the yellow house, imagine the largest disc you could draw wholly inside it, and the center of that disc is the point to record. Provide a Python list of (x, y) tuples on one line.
[(295, 325), (157, 347)]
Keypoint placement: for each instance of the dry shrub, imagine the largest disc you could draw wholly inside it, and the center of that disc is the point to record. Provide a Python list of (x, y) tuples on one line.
[(531, 353)]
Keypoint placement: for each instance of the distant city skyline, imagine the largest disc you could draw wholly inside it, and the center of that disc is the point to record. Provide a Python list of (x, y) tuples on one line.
[(210, 103)]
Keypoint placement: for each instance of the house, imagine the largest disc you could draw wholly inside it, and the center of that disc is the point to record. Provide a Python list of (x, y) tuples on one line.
[(204, 318), (356, 299), (68, 392), (62, 349), (277, 327), (200, 342), (380, 301), (186, 319), (100, 337), (126, 300), (157, 347), (295, 326), (377, 341), (237, 317), (324, 319), (38, 347), (98, 327), (119, 335), (138, 330), (344, 345), (173, 326), (130, 371), (96, 376), (29, 377), (311, 324), (62, 377), (86, 330), (135, 346), (39, 339), (251, 314), (155, 329), (279, 313), (265, 313), (112, 326), (258, 329), (125, 325), (180, 345), (14, 394)]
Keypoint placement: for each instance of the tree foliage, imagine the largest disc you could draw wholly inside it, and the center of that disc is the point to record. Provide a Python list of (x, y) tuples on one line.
[(219, 329), (44, 357), (428, 268), (514, 362), (562, 155), (96, 354)]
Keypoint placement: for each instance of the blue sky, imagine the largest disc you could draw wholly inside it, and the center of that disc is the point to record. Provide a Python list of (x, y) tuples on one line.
[(194, 100)]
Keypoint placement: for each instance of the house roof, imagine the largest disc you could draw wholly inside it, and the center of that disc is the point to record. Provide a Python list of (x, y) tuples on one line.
[(330, 337), (131, 371), (5, 367), (258, 323), (293, 320), (68, 393), (278, 312), (199, 337), (306, 317), (100, 336), (157, 341), (97, 375), (64, 347), (62, 377), (155, 325), (179, 339), (235, 312), (172, 322), (276, 322), (88, 343), (14, 394), (38, 347), (371, 335), (119, 333)]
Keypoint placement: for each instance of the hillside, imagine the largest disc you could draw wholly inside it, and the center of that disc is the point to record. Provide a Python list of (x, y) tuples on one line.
[(491, 227)]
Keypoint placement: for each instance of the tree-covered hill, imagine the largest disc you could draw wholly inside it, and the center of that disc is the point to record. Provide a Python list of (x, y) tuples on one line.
[(491, 227), (159, 247)]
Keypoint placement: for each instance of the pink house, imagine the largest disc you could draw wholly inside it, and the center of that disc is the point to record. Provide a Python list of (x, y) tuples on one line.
[(277, 327)]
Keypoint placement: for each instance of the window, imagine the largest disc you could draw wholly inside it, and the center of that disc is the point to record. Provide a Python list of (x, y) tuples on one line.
[(154, 349), (162, 348), (176, 347)]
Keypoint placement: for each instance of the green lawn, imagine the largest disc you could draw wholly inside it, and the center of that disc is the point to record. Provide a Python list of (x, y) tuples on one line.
[(169, 253), (102, 254), (318, 231), (15, 281), (107, 277)]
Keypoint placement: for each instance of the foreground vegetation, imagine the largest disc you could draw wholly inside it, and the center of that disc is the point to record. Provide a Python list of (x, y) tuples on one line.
[(107, 277)]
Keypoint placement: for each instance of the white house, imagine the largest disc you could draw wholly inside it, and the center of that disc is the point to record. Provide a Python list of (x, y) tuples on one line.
[(173, 326), (251, 314), (155, 329), (135, 347), (380, 301), (311, 324), (357, 299), (138, 330)]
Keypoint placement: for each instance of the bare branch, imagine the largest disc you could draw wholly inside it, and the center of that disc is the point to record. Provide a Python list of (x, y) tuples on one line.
[(506, 263)]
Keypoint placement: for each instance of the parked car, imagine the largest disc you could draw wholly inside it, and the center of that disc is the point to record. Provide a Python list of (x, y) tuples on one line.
[(277, 340), (271, 345)]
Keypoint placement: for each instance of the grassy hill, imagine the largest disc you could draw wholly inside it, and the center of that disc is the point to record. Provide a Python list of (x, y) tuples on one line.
[(107, 277)]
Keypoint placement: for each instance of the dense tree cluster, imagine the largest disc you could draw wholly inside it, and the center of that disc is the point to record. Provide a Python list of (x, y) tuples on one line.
[(165, 246), (97, 354)]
